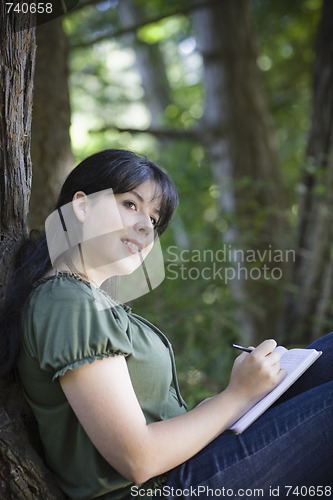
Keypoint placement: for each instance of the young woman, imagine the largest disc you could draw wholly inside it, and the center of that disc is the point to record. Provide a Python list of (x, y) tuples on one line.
[(101, 380)]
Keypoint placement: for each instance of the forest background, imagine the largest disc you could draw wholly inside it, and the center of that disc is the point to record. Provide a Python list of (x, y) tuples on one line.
[(234, 100)]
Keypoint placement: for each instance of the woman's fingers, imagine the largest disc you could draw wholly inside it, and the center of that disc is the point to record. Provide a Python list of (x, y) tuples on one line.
[(266, 347)]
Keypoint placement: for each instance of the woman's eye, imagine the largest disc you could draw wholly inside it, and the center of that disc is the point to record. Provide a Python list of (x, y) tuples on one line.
[(130, 204)]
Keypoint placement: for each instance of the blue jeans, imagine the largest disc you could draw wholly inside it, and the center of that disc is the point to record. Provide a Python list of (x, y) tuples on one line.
[(286, 453)]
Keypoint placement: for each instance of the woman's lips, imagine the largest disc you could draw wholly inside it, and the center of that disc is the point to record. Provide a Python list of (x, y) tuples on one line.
[(133, 245)]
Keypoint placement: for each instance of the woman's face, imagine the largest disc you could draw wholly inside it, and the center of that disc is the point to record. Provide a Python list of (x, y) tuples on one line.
[(118, 230)]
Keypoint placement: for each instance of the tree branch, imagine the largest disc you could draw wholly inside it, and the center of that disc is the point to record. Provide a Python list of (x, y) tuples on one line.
[(191, 134), (201, 4), (82, 5)]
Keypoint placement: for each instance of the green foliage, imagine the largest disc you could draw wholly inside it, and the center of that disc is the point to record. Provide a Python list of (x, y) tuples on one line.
[(198, 314), (161, 31)]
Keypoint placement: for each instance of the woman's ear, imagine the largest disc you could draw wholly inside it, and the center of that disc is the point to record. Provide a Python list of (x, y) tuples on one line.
[(79, 204)]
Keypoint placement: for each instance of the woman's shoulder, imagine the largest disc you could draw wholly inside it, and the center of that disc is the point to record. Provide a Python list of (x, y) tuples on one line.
[(65, 290), (65, 302), (65, 284), (57, 288)]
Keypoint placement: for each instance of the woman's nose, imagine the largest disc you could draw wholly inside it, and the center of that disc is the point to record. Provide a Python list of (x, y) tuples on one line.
[(144, 226)]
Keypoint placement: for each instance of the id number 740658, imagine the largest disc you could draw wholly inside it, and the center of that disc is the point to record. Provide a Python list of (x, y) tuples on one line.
[(308, 491), (32, 8)]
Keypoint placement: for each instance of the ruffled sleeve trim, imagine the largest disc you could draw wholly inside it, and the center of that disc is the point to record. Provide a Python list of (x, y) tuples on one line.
[(84, 361)]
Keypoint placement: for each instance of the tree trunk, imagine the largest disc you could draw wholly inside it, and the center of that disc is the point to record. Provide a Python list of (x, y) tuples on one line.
[(51, 152), (309, 311), (237, 132), (17, 52), (22, 473)]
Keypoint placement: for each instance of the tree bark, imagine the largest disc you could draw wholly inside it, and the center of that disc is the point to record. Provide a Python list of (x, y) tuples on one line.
[(238, 134), (23, 476), (309, 310), (51, 151), (17, 52)]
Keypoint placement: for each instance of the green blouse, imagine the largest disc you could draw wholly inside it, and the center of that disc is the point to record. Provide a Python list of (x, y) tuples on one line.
[(67, 324)]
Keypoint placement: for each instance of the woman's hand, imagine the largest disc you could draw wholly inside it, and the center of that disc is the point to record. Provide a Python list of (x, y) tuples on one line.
[(257, 373)]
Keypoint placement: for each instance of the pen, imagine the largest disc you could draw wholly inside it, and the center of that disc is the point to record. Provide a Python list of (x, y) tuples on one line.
[(241, 348)]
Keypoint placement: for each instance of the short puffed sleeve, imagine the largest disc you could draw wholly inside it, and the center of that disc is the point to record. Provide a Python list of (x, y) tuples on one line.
[(68, 324)]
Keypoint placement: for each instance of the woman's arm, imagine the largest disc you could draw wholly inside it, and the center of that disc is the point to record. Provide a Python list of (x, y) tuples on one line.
[(102, 396)]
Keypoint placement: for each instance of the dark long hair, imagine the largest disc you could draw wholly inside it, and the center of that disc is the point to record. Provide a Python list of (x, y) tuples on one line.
[(115, 169)]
